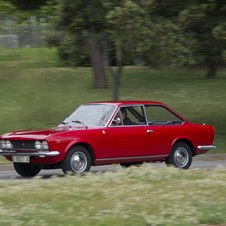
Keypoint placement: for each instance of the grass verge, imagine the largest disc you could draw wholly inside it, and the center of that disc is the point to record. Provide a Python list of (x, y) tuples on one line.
[(135, 196)]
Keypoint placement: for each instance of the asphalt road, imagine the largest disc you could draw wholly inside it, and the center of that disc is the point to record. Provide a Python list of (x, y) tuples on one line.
[(11, 175)]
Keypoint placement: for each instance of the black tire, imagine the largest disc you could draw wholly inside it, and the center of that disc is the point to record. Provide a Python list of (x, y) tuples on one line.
[(180, 156), (77, 160), (26, 170), (126, 165)]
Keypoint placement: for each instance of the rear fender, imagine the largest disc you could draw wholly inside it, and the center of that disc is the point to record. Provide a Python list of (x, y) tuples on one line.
[(186, 140)]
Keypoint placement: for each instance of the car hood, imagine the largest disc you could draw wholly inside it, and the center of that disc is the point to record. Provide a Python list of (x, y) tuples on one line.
[(38, 133)]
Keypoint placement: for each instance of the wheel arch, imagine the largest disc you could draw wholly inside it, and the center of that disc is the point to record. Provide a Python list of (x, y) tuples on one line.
[(188, 142), (88, 147)]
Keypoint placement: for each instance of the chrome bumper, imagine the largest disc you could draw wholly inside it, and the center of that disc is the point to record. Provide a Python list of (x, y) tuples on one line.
[(41, 154), (206, 147)]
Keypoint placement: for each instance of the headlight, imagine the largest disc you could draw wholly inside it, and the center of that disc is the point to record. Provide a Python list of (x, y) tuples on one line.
[(6, 144), (41, 145), (45, 145), (38, 145), (2, 144)]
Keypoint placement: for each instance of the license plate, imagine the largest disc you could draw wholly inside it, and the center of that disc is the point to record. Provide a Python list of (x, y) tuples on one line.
[(21, 159)]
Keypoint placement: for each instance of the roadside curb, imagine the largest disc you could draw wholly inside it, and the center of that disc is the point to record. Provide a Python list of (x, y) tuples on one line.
[(6, 167), (209, 157), (205, 157)]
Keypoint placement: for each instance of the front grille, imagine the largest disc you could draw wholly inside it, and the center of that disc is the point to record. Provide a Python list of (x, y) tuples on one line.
[(23, 144)]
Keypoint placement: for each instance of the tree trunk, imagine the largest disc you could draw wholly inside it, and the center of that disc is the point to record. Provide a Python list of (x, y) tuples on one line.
[(115, 87), (212, 71), (100, 79), (116, 75)]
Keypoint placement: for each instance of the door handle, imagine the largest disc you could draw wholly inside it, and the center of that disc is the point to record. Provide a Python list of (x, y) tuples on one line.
[(150, 131)]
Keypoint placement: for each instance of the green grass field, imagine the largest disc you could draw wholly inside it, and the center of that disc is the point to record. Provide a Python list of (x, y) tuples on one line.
[(34, 97), (134, 197), (28, 54), (43, 97), (28, 58)]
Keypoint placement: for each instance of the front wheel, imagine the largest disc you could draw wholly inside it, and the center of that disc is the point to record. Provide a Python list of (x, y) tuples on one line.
[(26, 170), (180, 156), (77, 160)]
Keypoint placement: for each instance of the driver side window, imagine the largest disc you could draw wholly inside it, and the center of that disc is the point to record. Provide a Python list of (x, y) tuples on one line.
[(129, 116)]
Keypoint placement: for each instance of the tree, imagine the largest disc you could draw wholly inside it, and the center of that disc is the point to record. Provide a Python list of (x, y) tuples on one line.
[(6, 8), (28, 4), (145, 35), (200, 21), (79, 16), (124, 20), (97, 19)]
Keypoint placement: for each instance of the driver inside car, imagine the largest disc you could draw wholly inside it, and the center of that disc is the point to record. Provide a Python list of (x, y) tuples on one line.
[(125, 119)]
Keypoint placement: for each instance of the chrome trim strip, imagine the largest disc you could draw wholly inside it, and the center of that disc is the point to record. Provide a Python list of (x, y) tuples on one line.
[(206, 147), (37, 154), (20, 149), (138, 157)]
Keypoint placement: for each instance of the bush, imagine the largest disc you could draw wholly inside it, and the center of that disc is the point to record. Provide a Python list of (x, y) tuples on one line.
[(73, 51)]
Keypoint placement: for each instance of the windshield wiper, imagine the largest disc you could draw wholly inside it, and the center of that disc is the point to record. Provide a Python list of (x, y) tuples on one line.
[(82, 123), (64, 123)]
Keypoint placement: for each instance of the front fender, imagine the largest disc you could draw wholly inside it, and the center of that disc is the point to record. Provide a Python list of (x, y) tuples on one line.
[(74, 142)]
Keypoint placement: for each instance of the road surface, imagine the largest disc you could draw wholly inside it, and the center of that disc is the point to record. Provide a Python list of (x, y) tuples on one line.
[(11, 175)]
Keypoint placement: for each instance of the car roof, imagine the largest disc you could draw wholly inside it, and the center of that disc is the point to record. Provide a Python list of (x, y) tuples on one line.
[(119, 103)]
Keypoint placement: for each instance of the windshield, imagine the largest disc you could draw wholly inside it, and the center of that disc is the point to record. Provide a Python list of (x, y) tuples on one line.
[(90, 115)]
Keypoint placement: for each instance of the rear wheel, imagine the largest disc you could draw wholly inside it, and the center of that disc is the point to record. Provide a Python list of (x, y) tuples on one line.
[(26, 170), (180, 156), (77, 160)]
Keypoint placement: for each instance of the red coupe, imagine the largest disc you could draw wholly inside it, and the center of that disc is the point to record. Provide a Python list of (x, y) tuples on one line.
[(101, 133)]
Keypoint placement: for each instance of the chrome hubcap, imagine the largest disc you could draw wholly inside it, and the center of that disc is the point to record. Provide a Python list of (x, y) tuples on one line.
[(78, 162), (181, 157)]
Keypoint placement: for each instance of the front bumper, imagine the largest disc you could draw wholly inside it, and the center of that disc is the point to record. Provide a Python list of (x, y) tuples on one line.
[(41, 154), (206, 147)]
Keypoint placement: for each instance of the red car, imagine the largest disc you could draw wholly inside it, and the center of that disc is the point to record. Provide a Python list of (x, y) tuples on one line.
[(101, 133)]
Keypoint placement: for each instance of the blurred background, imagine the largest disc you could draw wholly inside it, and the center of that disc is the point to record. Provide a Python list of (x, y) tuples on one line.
[(58, 54)]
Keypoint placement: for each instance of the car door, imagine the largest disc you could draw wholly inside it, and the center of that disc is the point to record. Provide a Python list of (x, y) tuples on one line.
[(132, 138), (166, 127)]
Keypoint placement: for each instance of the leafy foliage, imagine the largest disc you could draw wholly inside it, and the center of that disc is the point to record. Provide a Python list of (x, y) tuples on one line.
[(28, 4), (157, 32), (76, 19), (201, 25), (82, 15), (6, 8), (172, 32), (73, 50), (203, 20)]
